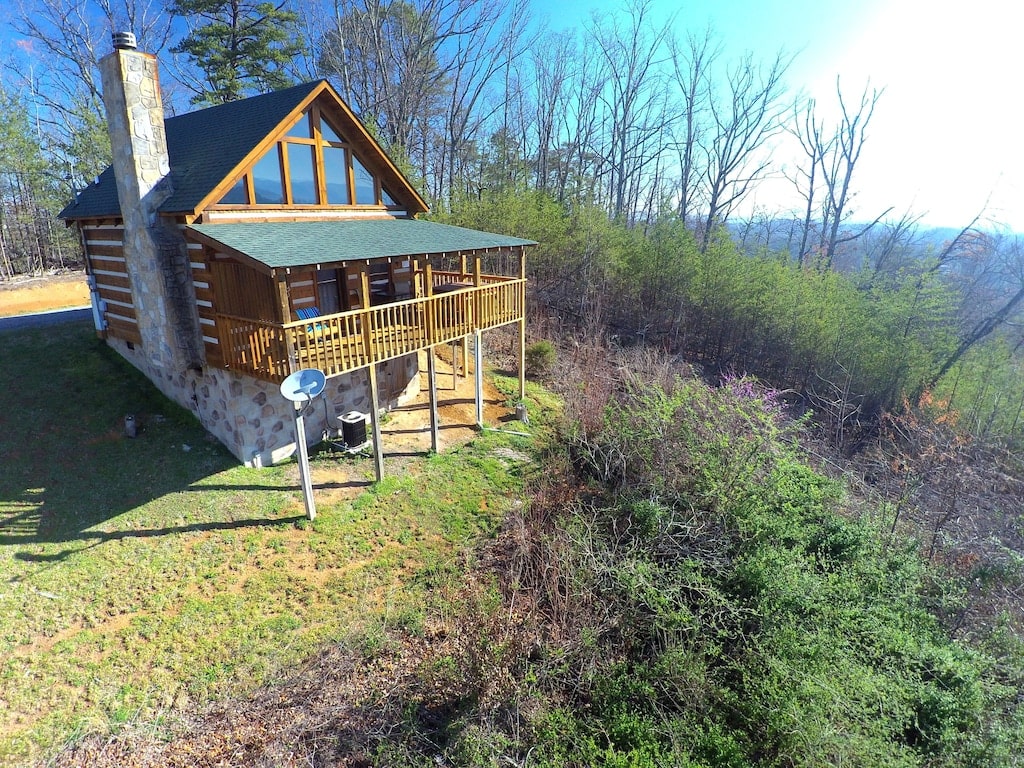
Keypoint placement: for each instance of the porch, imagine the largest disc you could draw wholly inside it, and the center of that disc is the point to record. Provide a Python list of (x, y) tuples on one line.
[(457, 304)]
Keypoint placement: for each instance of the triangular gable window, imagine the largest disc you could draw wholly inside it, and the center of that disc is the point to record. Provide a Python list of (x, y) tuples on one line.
[(329, 133), (301, 129), (237, 195), (311, 165)]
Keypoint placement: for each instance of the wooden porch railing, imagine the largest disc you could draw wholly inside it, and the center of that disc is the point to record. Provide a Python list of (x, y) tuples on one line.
[(350, 340)]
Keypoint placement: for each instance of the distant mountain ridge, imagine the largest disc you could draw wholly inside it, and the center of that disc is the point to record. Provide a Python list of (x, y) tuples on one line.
[(784, 234)]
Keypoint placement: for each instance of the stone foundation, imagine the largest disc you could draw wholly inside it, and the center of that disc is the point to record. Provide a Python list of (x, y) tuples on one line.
[(252, 419)]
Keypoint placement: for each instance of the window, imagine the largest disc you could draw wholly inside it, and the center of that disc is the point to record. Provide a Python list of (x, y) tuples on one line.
[(301, 129), (366, 193), (309, 166), (266, 179), (329, 134), (336, 176), (302, 181), (236, 195)]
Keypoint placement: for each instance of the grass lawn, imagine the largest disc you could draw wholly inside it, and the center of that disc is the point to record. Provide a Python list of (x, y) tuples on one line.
[(144, 577)]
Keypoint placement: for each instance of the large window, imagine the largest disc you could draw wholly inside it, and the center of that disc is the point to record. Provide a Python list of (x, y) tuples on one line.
[(266, 179), (301, 164), (310, 166), (336, 176)]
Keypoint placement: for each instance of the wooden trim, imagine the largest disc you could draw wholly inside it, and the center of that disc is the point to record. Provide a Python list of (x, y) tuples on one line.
[(379, 157), (283, 308), (286, 171), (350, 171)]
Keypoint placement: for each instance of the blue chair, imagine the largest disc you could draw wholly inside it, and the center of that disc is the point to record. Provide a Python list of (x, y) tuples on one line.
[(313, 329)]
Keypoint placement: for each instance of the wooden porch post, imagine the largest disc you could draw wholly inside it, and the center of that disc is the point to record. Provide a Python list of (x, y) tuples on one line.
[(378, 449), (522, 324), (281, 283), (522, 359), (478, 360), (477, 281), (284, 307), (364, 279), (435, 437)]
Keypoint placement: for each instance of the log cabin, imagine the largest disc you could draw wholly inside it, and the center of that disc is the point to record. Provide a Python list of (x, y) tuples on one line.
[(229, 247)]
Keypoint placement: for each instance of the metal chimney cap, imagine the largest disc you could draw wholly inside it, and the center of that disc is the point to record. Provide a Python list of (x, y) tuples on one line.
[(124, 41)]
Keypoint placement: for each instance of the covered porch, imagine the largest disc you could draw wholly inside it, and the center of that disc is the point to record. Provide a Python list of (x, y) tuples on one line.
[(396, 287)]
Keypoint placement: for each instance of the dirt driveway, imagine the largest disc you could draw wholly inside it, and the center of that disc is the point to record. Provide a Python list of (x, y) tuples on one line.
[(38, 294)]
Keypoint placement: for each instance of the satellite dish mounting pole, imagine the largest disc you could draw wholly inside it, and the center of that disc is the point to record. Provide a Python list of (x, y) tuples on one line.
[(301, 387), (304, 478)]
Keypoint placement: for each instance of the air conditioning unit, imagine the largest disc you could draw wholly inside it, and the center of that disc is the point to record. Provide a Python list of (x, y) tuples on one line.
[(353, 429)]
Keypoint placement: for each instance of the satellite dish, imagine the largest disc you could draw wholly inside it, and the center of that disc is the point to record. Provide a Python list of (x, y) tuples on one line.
[(304, 385)]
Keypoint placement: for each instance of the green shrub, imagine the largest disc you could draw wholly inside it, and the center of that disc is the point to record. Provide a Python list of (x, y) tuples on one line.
[(540, 359), (738, 616)]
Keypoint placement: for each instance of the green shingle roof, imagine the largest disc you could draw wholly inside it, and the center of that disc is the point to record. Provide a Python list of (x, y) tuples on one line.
[(294, 244), (203, 148)]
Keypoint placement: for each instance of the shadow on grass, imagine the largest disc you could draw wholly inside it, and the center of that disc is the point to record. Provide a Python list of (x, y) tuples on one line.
[(67, 469), (101, 537)]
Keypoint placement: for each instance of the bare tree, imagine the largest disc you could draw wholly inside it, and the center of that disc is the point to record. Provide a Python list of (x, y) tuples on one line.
[(691, 66), (808, 132), (838, 166), (579, 164), (551, 64), (491, 38), (634, 101), (385, 55), (419, 70), (741, 124), (995, 296), (832, 159), (65, 40), (893, 246)]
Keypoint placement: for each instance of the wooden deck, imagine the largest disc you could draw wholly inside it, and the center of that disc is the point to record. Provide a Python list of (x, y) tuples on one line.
[(351, 340)]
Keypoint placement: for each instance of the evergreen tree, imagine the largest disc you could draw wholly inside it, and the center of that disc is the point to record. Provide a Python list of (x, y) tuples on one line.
[(31, 240), (241, 46)]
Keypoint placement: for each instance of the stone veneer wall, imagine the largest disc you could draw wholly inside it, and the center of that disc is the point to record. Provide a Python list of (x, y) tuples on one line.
[(252, 419)]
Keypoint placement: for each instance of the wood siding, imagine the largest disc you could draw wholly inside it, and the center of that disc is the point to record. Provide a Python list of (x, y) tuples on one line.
[(104, 250), (200, 258)]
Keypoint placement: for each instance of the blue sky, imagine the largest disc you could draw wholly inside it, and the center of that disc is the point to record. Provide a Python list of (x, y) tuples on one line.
[(946, 135)]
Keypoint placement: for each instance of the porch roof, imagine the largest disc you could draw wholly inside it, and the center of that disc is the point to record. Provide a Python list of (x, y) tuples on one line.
[(300, 243)]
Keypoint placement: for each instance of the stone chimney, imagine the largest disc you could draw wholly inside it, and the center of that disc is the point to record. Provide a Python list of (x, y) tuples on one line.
[(156, 256)]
